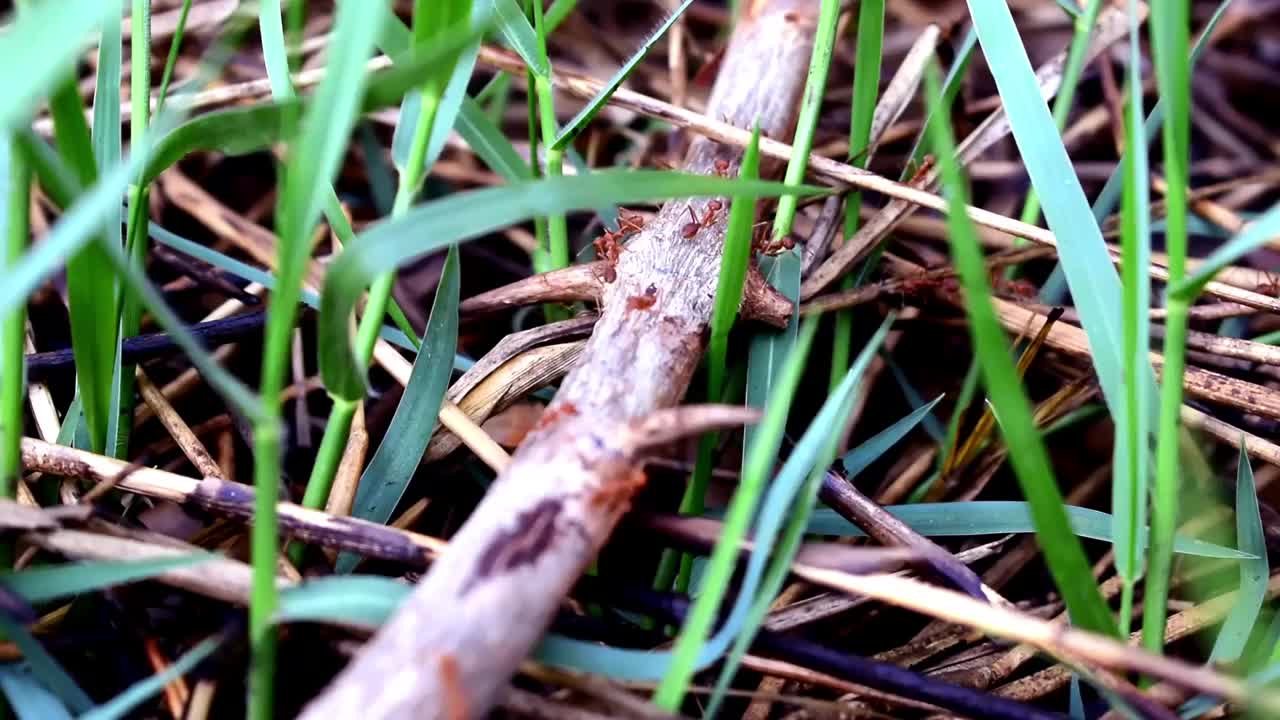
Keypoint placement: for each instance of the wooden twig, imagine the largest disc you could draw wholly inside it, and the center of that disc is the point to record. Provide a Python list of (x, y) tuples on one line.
[(586, 282), (235, 499), (486, 601)]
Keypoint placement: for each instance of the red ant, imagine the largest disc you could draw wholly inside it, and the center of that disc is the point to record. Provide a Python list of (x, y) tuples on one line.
[(550, 415), (722, 168), (708, 219), (609, 245), (926, 164), (762, 244), (918, 284), (1271, 286), (1018, 288), (645, 301), (616, 493)]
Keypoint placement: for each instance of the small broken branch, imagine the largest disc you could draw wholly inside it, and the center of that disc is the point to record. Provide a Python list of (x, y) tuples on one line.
[(760, 301)]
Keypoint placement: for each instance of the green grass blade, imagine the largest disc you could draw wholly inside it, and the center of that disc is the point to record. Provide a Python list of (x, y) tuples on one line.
[(274, 53), (42, 584), (792, 496), (313, 158), (1063, 553), (91, 293), (857, 459), (175, 44), (54, 32), (393, 464), (733, 270), (252, 274), (1254, 573), (1170, 45), (733, 275), (121, 705), (951, 85), (1082, 250), (597, 103), (1002, 517), (74, 230), (432, 117), (768, 349), (520, 36), (559, 10), (130, 312), (464, 216), (446, 113), (105, 135), (697, 624), (1110, 194), (238, 131), (1084, 22), (15, 190), (44, 667), (487, 141), (1255, 235), (866, 91), (1133, 426), (359, 600), (28, 699)]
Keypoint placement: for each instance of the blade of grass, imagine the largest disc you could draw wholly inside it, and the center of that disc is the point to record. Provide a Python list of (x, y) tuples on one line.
[(857, 459), (521, 36), (135, 233), (742, 508), (1063, 553), (54, 32), (393, 464), (77, 227), (15, 191), (1083, 252), (1054, 288), (29, 699), (1133, 427), (463, 216), (1170, 44), (252, 274), (792, 496), (1002, 517), (1254, 573), (1083, 25), (313, 159), (733, 275), (1254, 236), (557, 229), (866, 90), (597, 103), (44, 667), (768, 349), (90, 292), (438, 100), (175, 44), (53, 582), (487, 141)]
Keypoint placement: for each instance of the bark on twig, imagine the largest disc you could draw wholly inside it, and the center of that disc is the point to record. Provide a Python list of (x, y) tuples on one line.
[(489, 597)]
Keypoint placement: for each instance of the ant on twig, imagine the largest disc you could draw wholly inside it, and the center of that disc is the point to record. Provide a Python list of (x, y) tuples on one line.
[(1271, 286), (713, 208), (645, 301), (707, 220), (762, 244), (609, 245)]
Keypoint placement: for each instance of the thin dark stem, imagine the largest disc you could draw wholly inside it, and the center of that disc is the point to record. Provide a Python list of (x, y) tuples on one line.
[(140, 348)]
